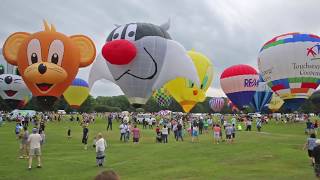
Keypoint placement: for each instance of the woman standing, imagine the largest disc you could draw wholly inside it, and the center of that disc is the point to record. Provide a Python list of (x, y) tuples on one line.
[(164, 132)]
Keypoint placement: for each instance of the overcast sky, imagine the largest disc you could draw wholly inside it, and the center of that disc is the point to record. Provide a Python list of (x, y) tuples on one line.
[(229, 32)]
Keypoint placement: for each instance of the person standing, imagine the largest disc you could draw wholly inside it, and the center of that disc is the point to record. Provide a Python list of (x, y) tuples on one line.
[(228, 132), (135, 134), (24, 143), (179, 132), (310, 145), (316, 158), (164, 132), (249, 123), (200, 125), (109, 122), (123, 130), (216, 131), (195, 134), (101, 145), (34, 140), (85, 136), (259, 124)]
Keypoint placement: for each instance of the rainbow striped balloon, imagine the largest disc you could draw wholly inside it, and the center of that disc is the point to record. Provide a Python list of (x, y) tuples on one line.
[(216, 104)]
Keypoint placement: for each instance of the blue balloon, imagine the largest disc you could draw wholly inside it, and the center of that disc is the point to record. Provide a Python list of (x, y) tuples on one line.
[(262, 96)]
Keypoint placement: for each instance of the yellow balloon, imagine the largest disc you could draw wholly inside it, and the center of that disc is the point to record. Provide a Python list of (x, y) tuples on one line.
[(184, 91), (275, 103), (76, 93)]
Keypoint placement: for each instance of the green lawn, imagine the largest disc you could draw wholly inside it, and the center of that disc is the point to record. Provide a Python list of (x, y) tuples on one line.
[(274, 154)]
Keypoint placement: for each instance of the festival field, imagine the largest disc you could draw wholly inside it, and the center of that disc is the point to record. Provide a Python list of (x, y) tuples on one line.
[(275, 153)]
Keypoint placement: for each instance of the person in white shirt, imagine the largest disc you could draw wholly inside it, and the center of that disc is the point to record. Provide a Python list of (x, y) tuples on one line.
[(123, 131), (164, 132), (35, 149), (101, 145)]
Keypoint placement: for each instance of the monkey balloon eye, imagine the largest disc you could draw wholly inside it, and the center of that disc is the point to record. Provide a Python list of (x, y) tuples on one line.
[(34, 58), (55, 58)]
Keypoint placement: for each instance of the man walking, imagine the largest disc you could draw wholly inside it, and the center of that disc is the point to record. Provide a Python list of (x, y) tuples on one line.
[(35, 150)]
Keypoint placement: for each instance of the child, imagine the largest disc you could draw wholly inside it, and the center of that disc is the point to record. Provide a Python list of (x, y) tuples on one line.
[(69, 133), (100, 148)]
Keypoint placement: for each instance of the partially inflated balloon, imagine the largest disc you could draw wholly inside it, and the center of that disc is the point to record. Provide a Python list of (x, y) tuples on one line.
[(290, 64), (162, 97), (276, 103), (12, 88), (315, 98), (262, 96), (140, 58), (239, 83), (216, 104), (76, 93), (48, 60), (184, 91)]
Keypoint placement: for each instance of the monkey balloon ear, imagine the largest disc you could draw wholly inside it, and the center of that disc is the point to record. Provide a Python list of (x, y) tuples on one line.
[(12, 45), (87, 49)]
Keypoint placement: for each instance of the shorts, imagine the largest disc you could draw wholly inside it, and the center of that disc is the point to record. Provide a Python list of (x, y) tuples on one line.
[(195, 133), (217, 135), (233, 135), (135, 139), (35, 152), (228, 136), (84, 141), (310, 153)]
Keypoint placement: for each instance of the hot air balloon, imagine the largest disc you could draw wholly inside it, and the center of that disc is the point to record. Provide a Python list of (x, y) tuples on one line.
[(290, 64), (276, 103), (76, 93), (162, 97), (216, 104), (262, 96), (233, 107), (13, 90), (140, 58), (48, 60), (315, 98), (239, 83), (184, 91)]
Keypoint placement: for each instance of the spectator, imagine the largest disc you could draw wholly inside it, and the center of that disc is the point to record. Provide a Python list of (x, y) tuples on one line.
[(195, 134), (24, 143), (216, 131), (107, 175), (228, 132), (123, 130), (100, 148), (85, 136), (164, 132), (109, 122), (249, 123), (310, 144), (259, 124), (179, 132), (316, 158), (135, 134), (35, 148)]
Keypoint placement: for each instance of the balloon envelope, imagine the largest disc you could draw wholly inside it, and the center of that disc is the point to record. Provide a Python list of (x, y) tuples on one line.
[(142, 62), (290, 64), (162, 97), (262, 96), (184, 91), (216, 104), (239, 83), (76, 93), (276, 103)]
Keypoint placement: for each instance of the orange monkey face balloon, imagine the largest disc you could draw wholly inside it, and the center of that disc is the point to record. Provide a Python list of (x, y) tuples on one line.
[(48, 60)]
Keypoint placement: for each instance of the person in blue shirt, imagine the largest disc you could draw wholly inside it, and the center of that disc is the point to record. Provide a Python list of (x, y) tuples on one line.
[(310, 144)]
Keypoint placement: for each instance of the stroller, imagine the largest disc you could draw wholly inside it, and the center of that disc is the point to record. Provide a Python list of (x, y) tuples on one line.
[(158, 138)]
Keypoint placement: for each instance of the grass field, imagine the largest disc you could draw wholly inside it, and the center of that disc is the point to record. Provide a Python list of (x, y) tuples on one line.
[(274, 154)]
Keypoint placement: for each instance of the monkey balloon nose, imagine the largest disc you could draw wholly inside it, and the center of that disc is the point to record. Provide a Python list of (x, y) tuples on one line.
[(119, 52)]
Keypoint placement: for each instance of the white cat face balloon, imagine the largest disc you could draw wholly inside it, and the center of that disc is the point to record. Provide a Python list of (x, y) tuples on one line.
[(141, 57)]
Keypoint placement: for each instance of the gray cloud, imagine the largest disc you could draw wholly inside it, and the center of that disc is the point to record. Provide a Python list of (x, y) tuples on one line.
[(229, 32)]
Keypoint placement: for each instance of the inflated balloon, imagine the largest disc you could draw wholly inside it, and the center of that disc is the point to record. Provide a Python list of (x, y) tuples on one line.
[(262, 96), (48, 61), (140, 58), (239, 83), (76, 93), (315, 98), (290, 64), (184, 91), (12, 88), (233, 107), (276, 103), (162, 97), (216, 104)]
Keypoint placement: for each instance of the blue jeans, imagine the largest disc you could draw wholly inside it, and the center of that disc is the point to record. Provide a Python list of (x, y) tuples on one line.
[(179, 134)]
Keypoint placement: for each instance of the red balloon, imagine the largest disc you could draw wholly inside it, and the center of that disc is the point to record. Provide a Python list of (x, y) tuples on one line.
[(119, 52)]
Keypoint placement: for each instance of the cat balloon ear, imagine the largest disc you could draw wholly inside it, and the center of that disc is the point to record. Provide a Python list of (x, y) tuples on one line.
[(177, 63), (165, 26), (99, 70), (117, 25)]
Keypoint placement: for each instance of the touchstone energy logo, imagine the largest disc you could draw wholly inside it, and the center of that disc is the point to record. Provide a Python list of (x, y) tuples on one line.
[(313, 52), (307, 69), (250, 83)]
